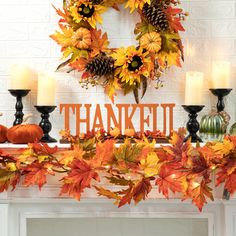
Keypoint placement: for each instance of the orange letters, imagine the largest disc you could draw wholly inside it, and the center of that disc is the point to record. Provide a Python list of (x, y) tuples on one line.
[(119, 115)]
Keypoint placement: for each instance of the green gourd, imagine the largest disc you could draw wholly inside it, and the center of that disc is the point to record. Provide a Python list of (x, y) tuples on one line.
[(213, 127), (232, 130)]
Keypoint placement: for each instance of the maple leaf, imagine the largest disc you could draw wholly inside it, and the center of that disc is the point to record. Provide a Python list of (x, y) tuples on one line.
[(179, 149), (137, 192), (199, 192), (127, 155), (119, 180), (169, 179), (36, 173), (105, 152), (107, 193), (43, 148), (79, 178), (99, 42), (26, 157), (169, 59), (150, 164), (227, 175), (111, 87), (174, 19), (68, 156), (79, 64), (8, 178), (63, 38), (224, 147)]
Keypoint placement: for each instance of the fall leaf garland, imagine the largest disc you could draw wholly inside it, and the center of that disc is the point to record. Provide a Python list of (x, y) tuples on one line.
[(134, 168), (85, 48)]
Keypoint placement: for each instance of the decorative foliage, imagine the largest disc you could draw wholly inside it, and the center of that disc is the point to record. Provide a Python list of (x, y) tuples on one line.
[(136, 169), (86, 49)]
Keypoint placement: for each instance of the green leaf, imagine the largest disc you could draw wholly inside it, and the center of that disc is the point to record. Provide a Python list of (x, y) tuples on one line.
[(170, 42), (142, 28), (118, 180)]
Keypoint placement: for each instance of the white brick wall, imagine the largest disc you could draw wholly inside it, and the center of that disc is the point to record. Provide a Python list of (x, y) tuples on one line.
[(24, 36)]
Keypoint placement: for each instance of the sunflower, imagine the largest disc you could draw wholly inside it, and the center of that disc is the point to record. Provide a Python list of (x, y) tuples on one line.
[(131, 64), (86, 11), (133, 4)]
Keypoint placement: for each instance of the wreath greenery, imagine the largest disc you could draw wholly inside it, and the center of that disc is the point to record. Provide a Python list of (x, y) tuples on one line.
[(85, 47)]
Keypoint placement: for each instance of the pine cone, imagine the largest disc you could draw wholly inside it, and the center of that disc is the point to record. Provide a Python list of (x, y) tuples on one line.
[(101, 65), (156, 16)]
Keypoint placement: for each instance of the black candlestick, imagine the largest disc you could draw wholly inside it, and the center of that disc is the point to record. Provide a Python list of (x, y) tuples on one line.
[(45, 124), (220, 93), (192, 124), (19, 94)]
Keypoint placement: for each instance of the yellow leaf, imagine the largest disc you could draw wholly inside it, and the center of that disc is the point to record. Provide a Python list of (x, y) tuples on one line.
[(63, 38), (27, 157), (69, 156), (42, 158), (171, 59), (11, 167), (150, 164), (223, 148)]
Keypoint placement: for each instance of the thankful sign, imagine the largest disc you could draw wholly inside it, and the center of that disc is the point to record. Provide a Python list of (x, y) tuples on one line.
[(122, 116)]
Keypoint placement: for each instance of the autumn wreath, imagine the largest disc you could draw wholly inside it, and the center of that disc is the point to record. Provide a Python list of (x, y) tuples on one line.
[(85, 47)]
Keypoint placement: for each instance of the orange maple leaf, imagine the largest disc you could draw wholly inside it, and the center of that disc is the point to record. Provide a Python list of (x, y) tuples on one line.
[(78, 179), (169, 179), (99, 42), (199, 192), (36, 173), (104, 152)]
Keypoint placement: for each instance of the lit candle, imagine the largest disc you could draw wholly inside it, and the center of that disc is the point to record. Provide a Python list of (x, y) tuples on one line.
[(193, 88), (20, 77), (46, 90), (220, 74)]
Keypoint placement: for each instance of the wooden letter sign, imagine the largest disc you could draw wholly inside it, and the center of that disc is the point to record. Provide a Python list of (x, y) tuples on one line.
[(123, 116)]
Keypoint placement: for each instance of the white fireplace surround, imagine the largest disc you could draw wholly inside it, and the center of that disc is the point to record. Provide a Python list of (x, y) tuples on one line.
[(17, 207)]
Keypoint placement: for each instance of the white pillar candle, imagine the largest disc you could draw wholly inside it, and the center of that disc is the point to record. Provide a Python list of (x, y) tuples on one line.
[(193, 88), (20, 77), (46, 90), (220, 74)]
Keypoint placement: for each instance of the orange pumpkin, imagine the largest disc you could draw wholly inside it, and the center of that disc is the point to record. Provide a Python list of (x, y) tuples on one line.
[(24, 133), (3, 134), (115, 132), (129, 132), (82, 38), (151, 41)]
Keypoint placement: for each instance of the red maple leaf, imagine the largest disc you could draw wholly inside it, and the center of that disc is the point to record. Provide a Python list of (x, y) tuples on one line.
[(227, 175), (169, 179), (78, 179), (136, 192), (174, 19), (36, 173), (43, 148)]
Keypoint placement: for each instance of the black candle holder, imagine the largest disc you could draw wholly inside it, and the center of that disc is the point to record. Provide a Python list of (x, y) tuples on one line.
[(45, 124), (19, 94), (192, 124), (220, 93)]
